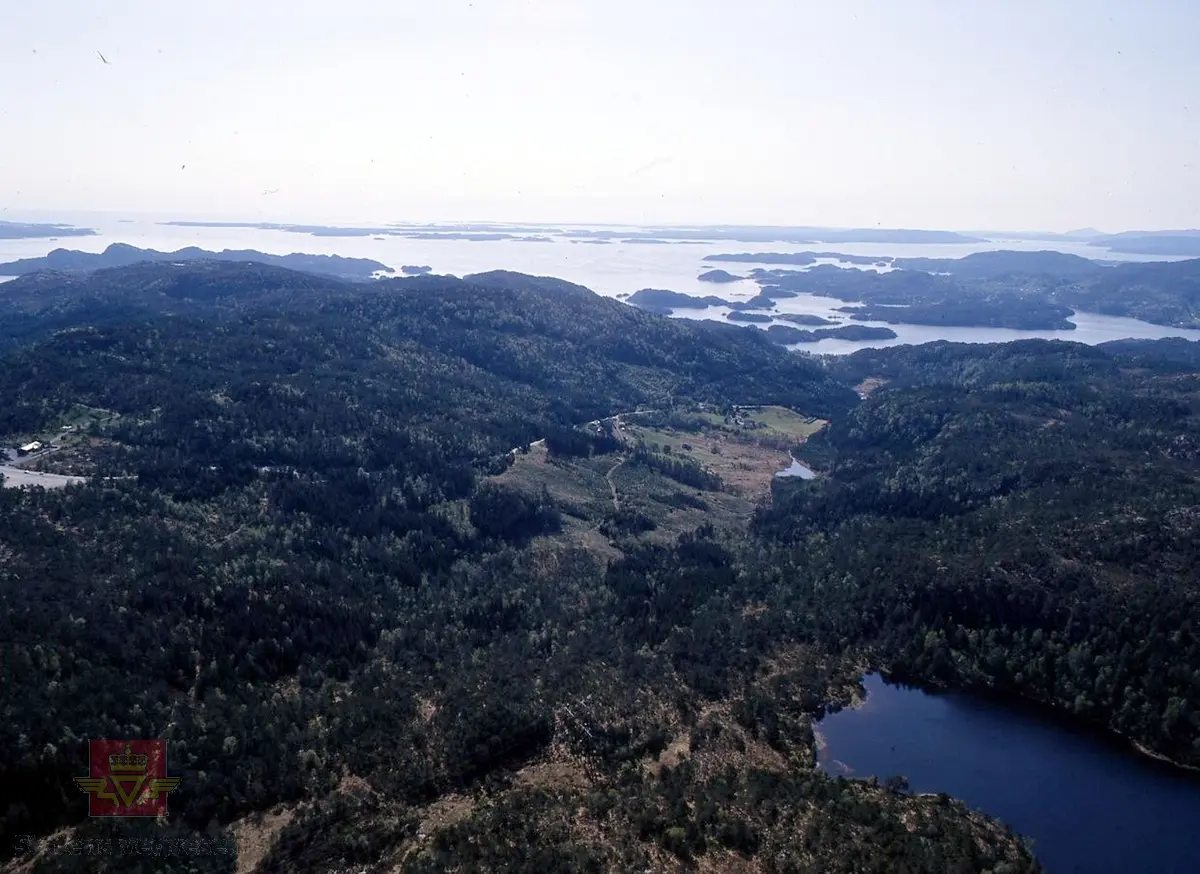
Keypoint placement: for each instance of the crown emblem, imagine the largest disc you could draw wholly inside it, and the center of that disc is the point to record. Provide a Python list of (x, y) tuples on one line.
[(128, 762), (134, 784)]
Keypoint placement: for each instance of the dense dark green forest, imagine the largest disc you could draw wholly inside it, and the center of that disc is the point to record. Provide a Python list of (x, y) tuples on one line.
[(291, 562), (294, 561), (917, 297), (1024, 290), (1018, 518)]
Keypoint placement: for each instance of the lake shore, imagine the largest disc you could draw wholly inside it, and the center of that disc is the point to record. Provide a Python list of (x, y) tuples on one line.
[(1088, 802), (1041, 710)]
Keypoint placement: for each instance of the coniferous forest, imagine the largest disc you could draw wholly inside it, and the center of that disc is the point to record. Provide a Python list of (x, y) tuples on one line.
[(308, 556)]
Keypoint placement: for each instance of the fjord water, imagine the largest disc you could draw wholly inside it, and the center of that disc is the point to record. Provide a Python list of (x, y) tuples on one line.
[(610, 269), (1090, 805)]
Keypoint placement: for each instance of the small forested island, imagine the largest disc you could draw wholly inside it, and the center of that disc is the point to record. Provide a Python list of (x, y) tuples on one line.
[(994, 312), (719, 276), (806, 319), (122, 255), (856, 332), (760, 301), (743, 316), (788, 335), (663, 299), (437, 574), (797, 258), (415, 269), (34, 231)]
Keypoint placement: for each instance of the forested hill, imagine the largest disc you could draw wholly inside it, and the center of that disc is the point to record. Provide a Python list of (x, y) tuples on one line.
[(1166, 293), (373, 636), (293, 561), (588, 355), (33, 307), (123, 255), (1021, 519)]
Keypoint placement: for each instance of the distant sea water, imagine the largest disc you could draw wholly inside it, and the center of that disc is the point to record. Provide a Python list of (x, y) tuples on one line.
[(609, 269)]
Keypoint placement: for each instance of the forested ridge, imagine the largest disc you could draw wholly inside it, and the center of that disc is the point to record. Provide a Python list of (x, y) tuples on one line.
[(1020, 519), (1023, 290), (294, 561)]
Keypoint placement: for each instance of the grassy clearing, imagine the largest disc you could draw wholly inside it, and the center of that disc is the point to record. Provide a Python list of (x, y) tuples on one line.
[(81, 416), (745, 467), (869, 385), (782, 421), (745, 449), (577, 486), (583, 489)]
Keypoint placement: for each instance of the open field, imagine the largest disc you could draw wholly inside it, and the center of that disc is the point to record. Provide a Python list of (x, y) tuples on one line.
[(781, 420), (763, 423), (868, 385), (745, 468), (650, 490), (595, 494)]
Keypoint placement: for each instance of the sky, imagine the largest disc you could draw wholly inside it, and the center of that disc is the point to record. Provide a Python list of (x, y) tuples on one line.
[(985, 114)]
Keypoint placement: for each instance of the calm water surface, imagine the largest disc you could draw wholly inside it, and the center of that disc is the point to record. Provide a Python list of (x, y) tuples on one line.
[(610, 269), (797, 469), (1090, 806)]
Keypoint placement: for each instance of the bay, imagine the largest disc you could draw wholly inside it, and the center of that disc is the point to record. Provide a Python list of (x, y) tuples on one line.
[(610, 269), (1090, 804)]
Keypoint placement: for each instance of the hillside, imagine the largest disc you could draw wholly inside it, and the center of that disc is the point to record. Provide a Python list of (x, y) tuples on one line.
[(434, 574), (1166, 293), (1019, 519), (122, 255), (1027, 290), (923, 298), (991, 265), (373, 634), (1180, 242)]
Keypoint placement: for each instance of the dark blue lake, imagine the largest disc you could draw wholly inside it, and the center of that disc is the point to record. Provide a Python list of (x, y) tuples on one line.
[(1090, 806)]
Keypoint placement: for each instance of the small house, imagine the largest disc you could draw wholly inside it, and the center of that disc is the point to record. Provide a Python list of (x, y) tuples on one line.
[(35, 446)]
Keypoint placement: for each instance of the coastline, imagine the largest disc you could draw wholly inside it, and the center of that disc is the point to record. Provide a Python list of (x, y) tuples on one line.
[(1041, 709)]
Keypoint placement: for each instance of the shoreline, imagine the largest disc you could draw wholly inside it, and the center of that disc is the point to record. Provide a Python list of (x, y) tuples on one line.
[(1158, 757), (1041, 710)]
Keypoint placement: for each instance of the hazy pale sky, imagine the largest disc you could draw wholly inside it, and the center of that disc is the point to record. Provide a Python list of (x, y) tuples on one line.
[(910, 113)]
